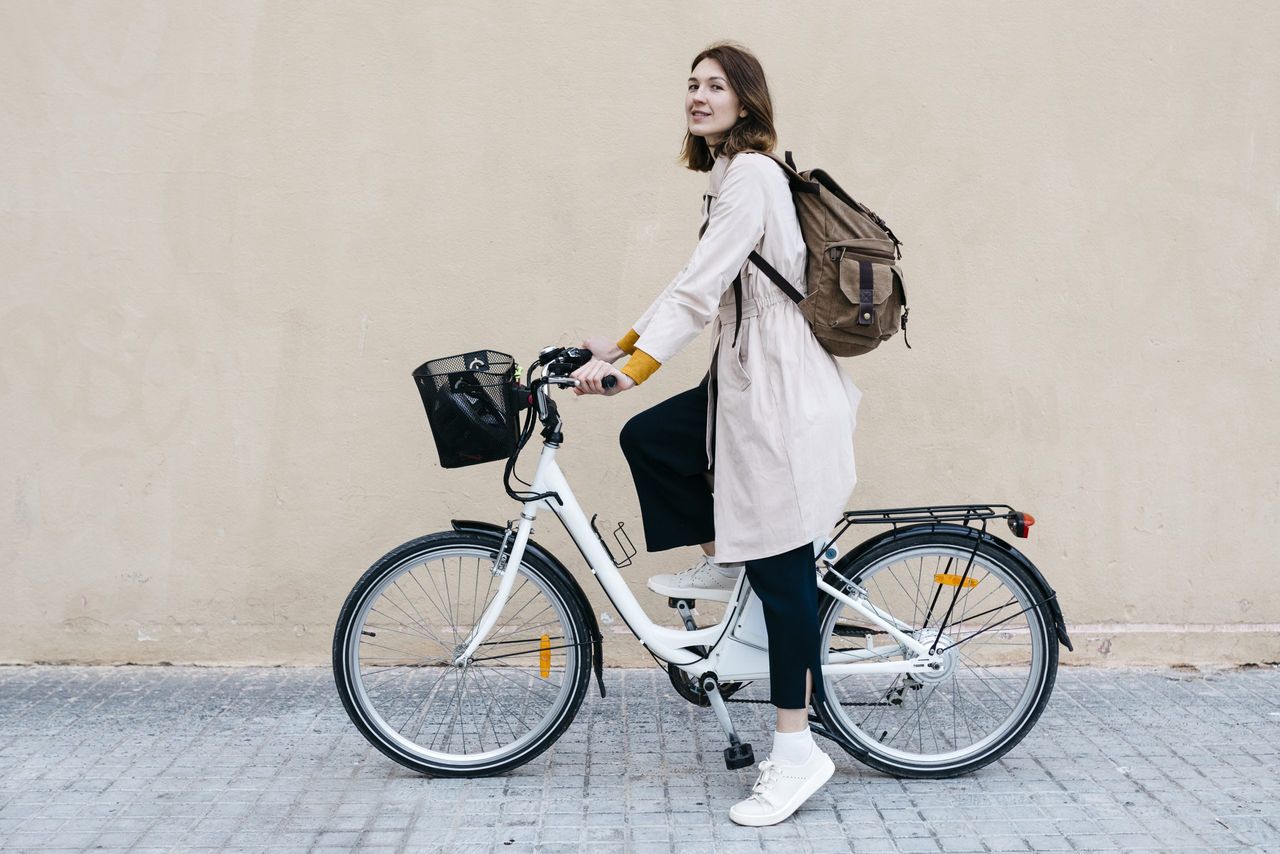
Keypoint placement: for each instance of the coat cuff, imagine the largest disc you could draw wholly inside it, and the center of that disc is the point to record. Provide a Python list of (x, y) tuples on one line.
[(640, 366), (628, 342)]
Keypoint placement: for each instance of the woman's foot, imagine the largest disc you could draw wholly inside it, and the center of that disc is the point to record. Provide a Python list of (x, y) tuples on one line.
[(781, 788), (704, 580)]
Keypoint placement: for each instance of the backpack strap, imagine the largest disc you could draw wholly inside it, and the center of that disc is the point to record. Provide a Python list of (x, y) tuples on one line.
[(778, 279), (737, 308), (799, 184), (897, 277), (866, 307)]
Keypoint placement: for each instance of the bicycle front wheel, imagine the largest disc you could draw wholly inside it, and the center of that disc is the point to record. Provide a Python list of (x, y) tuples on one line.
[(411, 614), (999, 649)]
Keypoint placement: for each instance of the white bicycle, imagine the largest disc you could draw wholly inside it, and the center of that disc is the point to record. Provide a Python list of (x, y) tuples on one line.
[(469, 651)]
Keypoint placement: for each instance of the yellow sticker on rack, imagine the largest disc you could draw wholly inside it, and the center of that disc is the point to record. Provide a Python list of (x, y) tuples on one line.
[(954, 580), (544, 656)]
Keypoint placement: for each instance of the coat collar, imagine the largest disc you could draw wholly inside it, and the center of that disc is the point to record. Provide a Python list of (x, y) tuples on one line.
[(718, 169)]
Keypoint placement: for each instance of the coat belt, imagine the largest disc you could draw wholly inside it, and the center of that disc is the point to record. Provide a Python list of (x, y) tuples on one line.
[(751, 307)]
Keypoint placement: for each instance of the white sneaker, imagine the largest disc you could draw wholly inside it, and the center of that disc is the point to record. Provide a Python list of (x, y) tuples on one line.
[(700, 581), (781, 789)]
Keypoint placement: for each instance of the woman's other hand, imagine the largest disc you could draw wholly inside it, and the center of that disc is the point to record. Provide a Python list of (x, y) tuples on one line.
[(591, 376), (603, 348)]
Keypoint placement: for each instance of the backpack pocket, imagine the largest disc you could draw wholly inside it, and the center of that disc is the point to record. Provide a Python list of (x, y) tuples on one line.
[(856, 297), (863, 304)]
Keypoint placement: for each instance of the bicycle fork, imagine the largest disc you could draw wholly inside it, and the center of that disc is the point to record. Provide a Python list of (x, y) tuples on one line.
[(506, 565)]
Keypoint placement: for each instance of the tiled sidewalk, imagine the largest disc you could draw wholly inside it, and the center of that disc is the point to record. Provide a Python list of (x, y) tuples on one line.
[(178, 758)]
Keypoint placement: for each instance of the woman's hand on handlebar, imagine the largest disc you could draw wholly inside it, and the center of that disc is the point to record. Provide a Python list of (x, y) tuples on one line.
[(591, 376)]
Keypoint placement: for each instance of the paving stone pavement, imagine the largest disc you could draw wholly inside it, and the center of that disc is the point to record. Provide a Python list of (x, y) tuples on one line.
[(254, 759)]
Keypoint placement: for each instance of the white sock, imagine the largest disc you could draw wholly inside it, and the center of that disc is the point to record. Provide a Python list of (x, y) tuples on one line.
[(792, 748), (729, 570)]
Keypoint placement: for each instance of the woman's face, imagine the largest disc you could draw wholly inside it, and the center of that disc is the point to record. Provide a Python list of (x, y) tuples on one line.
[(710, 106)]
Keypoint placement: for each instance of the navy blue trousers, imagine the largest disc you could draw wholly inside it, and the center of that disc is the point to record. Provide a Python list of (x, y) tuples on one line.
[(665, 446)]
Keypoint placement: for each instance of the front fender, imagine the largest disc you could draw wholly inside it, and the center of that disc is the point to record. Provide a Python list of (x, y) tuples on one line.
[(552, 565)]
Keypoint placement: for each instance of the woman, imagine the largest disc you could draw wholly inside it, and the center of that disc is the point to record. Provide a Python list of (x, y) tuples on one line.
[(770, 427)]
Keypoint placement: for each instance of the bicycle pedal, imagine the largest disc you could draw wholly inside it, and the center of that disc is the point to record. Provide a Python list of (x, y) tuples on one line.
[(739, 756), (675, 603)]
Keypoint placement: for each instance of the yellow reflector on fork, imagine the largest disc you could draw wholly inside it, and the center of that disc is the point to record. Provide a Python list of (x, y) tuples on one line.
[(544, 657), (954, 580)]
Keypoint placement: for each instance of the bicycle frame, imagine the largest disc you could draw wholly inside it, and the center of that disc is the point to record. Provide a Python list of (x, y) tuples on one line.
[(735, 648)]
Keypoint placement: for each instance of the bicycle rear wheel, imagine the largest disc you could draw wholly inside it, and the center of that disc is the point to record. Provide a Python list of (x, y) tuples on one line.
[(1000, 655), (406, 620)]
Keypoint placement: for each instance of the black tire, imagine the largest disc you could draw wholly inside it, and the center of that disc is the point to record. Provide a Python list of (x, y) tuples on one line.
[(892, 721), (422, 648)]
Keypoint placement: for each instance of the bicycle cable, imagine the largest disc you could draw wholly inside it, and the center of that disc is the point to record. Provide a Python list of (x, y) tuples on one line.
[(526, 431)]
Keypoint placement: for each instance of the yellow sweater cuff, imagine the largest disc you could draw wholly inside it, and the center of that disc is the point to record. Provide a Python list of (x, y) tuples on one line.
[(628, 342), (640, 366)]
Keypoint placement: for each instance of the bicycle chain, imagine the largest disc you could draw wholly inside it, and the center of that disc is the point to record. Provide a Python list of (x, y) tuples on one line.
[(842, 702), (729, 689)]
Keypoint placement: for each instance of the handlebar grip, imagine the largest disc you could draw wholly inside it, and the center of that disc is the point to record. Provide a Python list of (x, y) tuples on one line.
[(610, 381)]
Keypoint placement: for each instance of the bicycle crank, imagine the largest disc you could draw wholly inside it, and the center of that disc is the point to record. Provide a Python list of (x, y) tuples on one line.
[(691, 688)]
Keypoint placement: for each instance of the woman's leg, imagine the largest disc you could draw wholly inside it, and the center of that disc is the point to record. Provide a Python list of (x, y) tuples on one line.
[(797, 720), (787, 586), (788, 589), (665, 446)]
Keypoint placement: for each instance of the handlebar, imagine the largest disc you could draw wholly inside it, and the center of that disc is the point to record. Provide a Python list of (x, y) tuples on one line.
[(562, 361), (557, 364)]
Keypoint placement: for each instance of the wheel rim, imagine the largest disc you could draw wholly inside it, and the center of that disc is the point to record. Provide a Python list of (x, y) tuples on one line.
[(412, 623), (992, 672)]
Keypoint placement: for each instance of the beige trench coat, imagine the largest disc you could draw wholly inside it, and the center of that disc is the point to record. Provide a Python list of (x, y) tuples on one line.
[(785, 412)]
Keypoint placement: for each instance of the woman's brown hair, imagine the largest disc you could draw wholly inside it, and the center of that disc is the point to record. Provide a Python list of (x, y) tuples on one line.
[(755, 132)]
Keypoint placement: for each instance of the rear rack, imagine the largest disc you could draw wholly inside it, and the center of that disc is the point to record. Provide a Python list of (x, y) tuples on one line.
[(965, 514), (962, 513)]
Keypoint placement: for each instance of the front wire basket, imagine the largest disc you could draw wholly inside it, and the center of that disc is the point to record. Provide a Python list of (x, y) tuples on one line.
[(471, 405)]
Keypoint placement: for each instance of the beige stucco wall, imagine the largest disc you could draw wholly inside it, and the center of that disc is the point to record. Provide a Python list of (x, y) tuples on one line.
[(229, 231)]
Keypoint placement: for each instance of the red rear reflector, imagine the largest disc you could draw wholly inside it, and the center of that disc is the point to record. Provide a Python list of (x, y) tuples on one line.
[(1020, 523)]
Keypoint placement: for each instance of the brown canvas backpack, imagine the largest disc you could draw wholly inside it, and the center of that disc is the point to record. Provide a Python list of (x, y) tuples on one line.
[(856, 298)]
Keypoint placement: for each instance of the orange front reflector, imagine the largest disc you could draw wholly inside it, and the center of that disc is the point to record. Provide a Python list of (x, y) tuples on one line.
[(544, 657), (954, 580)]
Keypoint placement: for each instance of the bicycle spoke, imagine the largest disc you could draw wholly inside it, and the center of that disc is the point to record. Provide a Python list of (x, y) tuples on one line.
[(430, 598), (495, 702), (475, 593), (421, 620), (430, 692), (422, 625)]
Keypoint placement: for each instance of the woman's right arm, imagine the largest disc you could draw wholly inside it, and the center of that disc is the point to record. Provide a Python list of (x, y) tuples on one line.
[(687, 304), (606, 350), (734, 227)]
